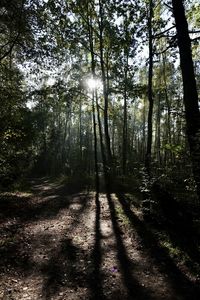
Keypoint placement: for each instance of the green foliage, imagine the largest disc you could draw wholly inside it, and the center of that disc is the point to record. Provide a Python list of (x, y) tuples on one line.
[(177, 253), (54, 48), (16, 130), (123, 219), (193, 14), (178, 150)]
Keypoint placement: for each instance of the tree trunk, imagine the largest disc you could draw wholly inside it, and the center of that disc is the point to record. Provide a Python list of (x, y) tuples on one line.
[(168, 117), (80, 132), (150, 92), (157, 142), (95, 145), (105, 90), (192, 112), (124, 144), (90, 31)]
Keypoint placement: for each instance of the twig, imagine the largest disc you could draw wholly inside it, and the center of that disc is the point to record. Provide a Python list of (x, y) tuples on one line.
[(171, 8)]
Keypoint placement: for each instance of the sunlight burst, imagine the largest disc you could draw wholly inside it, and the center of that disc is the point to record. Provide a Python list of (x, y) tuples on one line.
[(93, 83)]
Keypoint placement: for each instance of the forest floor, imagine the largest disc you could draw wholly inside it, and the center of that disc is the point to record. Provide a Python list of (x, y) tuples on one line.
[(61, 245)]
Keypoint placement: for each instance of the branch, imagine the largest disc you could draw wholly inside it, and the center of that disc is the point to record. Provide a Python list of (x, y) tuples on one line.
[(161, 33), (195, 39), (171, 8), (194, 31), (87, 48), (100, 107), (88, 24), (80, 93), (165, 50), (4, 45), (11, 47), (166, 36)]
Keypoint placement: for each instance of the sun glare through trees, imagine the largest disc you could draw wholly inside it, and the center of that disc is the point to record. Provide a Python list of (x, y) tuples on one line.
[(99, 149), (93, 84)]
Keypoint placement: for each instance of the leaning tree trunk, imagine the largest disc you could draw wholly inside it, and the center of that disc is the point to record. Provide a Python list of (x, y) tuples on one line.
[(192, 112)]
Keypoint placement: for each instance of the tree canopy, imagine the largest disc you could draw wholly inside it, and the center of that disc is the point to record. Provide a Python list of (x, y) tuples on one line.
[(49, 53)]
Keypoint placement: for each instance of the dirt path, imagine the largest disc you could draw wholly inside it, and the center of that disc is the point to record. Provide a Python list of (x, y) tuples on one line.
[(80, 246)]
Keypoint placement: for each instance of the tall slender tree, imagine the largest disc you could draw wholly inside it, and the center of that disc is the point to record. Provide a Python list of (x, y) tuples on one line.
[(192, 112), (150, 89)]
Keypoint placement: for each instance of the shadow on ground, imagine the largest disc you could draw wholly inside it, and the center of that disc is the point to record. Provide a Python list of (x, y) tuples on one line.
[(71, 270), (182, 286), (20, 210)]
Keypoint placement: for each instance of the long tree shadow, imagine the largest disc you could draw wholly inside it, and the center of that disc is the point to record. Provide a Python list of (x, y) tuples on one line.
[(178, 223), (68, 268), (17, 214), (179, 282), (134, 289), (96, 257), (72, 268)]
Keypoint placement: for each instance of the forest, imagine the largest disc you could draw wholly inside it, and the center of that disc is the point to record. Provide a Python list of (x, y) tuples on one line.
[(99, 149)]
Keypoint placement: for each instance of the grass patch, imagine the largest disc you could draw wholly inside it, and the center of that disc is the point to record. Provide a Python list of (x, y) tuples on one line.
[(123, 219), (177, 254)]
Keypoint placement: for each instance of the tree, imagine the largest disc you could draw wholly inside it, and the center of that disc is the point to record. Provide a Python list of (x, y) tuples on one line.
[(150, 89), (192, 112), (16, 32)]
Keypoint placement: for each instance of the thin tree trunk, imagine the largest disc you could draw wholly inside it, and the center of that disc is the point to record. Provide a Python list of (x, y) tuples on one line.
[(124, 144), (143, 146), (101, 136), (95, 145), (168, 110), (105, 90), (90, 30), (113, 138), (150, 91), (80, 131), (157, 143)]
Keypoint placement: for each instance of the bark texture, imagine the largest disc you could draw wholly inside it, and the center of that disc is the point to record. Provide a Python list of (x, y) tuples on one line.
[(192, 112)]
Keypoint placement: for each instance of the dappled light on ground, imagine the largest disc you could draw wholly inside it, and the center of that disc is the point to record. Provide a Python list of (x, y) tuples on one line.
[(57, 245)]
